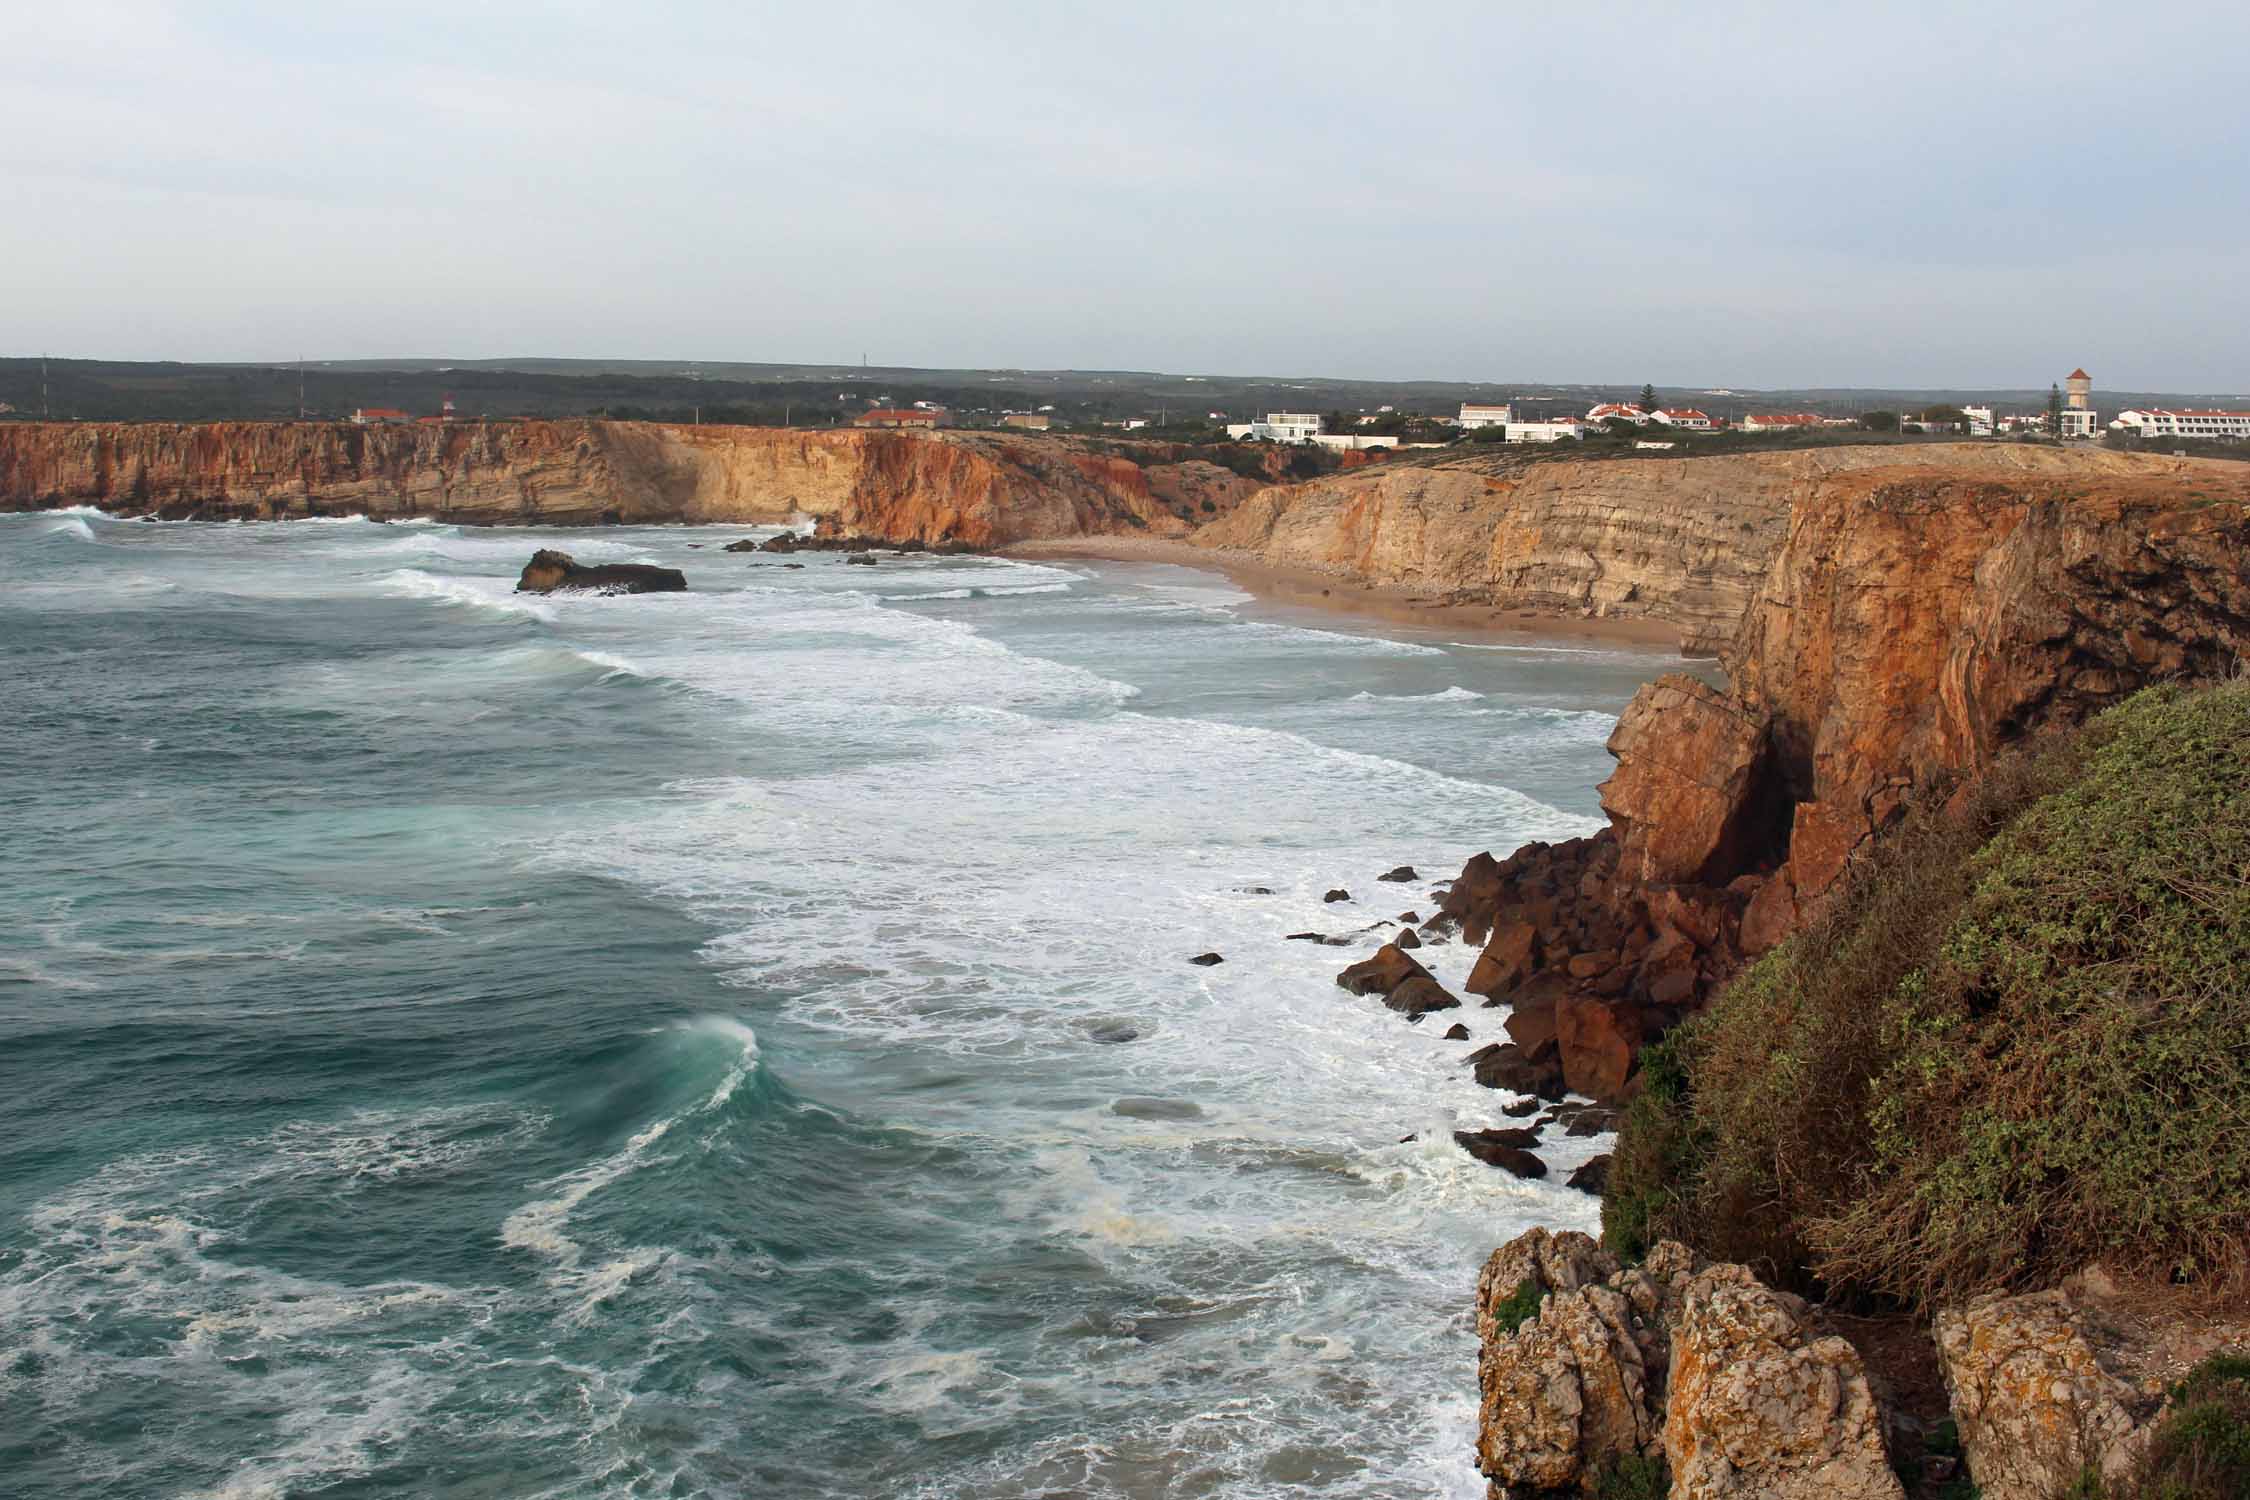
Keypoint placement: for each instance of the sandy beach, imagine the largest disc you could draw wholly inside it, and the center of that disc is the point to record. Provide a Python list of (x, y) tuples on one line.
[(1341, 594)]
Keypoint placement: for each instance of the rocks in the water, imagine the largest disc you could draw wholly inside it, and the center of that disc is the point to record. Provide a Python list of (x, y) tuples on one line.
[(1207, 959), (1304, 937), (1400, 875), (1592, 1177), (2036, 1396), (1257, 890), (1416, 998), (1504, 1065), (1407, 939), (1410, 918), (550, 571), (863, 559), (1383, 973), (1458, 1033), (747, 544), (1503, 1149), (1521, 1108), (1339, 894)]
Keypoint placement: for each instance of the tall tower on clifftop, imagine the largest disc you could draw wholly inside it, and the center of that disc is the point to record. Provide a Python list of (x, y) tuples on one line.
[(2079, 419)]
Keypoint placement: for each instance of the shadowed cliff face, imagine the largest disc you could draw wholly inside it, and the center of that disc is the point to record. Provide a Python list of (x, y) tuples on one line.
[(983, 489)]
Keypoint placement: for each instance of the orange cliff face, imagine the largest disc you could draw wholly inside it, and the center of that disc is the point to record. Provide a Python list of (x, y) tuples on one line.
[(1916, 619), (982, 489)]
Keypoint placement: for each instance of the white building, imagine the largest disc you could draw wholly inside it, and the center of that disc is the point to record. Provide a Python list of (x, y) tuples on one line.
[(1617, 409), (1348, 442), (1980, 420), (1553, 430), (1685, 417), (1780, 421), (2157, 422), (1278, 427), (1478, 414)]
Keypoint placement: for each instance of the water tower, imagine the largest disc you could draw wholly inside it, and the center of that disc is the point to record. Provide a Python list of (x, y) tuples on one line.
[(2080, 387)]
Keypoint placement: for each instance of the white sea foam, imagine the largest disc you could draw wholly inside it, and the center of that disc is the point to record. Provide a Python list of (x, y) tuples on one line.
[(494, 594), (1454, 694)]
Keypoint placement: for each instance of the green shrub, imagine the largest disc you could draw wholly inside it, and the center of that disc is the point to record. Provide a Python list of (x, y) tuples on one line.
[(1632, 1477), (2067, 1080), (2012, 1046), (1658, 1159), (1519, 1306)]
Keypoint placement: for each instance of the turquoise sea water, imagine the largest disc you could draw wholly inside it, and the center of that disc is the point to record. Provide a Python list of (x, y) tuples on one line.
[(739, 1042)]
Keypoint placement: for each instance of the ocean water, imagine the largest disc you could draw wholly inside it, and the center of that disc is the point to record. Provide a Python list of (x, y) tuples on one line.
[(737, 1042)]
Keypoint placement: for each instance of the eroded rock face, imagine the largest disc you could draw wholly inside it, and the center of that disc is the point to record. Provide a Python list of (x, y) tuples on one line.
[(1760, 1406), (1688, 800), (940, 488), (1581, 1383), (2034, 1399)]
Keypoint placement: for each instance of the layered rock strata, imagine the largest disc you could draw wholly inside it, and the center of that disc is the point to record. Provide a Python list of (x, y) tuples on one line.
[(978, 489), (1683, 541)]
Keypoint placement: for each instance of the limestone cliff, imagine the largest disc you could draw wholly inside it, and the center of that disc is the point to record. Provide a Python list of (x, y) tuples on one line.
[(981, 488), (1685, 541), (1914, 620)]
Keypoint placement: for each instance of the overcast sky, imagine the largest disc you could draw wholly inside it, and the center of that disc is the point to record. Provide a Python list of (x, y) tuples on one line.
[(1705, 195)]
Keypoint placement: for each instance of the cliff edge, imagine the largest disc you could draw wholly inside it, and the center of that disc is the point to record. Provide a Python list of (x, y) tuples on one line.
[(983, 489)]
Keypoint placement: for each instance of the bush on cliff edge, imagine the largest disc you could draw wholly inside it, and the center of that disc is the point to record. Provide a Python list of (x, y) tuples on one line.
[(2016, 1044)]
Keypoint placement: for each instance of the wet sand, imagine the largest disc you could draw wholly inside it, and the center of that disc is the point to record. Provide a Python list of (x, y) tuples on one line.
[(1341, 594)]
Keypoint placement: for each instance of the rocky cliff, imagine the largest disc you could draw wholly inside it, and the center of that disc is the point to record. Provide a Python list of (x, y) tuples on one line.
[(979, 488), (1685, 541), (1912, 621)]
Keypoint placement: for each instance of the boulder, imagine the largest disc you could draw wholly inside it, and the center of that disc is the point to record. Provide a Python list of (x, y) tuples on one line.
[(1339, 894), (747, 544), (1407, 939), (1207, 959), (1383, 973), (1457, 1033), (1504, 1149), (1504, 1065), (1593, 1177), (1400, 875), (1760, 1406), (1597, 1045), (1418, 996), (1510, 954), (550, 571), (1690, 799), (2035, 1398), (861, 559), (1569, 1392)]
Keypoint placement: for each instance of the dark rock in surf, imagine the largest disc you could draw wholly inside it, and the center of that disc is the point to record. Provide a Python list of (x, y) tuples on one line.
[(1207, 959), (1592, 1177), (550, 571), (1338, 894), (1456, 1032), (1503, 1149), (1407, 939), (863, 559), (1400, 875)]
